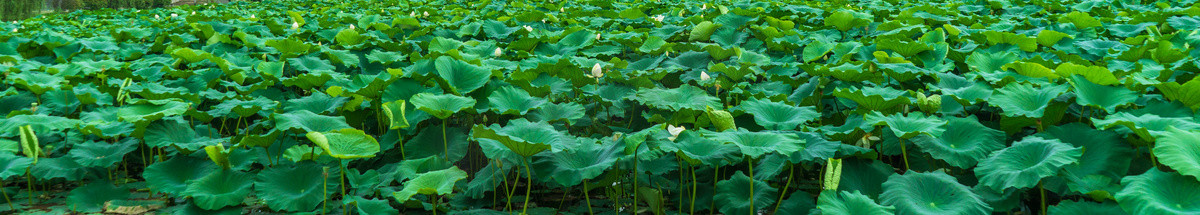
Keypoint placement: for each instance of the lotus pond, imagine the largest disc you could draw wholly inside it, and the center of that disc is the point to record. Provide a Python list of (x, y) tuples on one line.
[(595, 107)]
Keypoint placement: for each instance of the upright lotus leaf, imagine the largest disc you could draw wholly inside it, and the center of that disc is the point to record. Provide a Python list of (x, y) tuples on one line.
[(684, 97), (911, 125), (102, 154), (346, 143), (777, 115), (513, 101), (1146, 126), (1104, 97), (439, 182), (293, 188), (29, 143), (218, 155), (12, 165), (874, 98), (964, 142), (722, 119), (1071, 207), (174, 175), (441, 105), (522, 137), (585, 161), (755, 144), (460, 77), (91, 197), (307, 121), (849, 203), (1158, 192), (735, 196), (1025, 163), (832, 176), (1187, 93), (219, 189), (396, 114), (931, 193), (1025, 100), (1178, 149)]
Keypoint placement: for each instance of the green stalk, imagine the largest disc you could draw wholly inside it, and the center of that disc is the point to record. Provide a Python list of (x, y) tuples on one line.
[(445, 148), (711, 204), (528, 185), (750, 163), (904, 153), (635, 180), (694, 182), (29, 182), (1042, 191), (324, 188), (343, 181), (10, 205), (435, 204), (782, 192), (586, 197)]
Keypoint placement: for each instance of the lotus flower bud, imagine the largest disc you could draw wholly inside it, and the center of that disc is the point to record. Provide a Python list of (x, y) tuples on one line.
[(414, 13), (560, 10), (193, 12), (704, 76), (528, 28), (252, 16), (426, 13), (295, 25), (498, 52), (597, 71), (597, 36), (155, 16), (704, 6), (351, 26), (674, 131)]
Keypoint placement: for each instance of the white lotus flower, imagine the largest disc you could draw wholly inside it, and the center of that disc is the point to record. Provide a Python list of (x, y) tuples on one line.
[(193, 12), (597, 71), (426, 13), (252, 16), (498, 52), (704, 76), (174, 15), (674, 131), (351, 26), (14, 30), (529, 28), (155, 16), (295, 25), (597, 36), (560, 10), (414, 13), (704, 7), (659, 18)]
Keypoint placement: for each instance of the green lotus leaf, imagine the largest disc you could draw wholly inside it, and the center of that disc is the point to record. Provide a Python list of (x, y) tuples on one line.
[(1071, 207), (439, 182), (1177, 149), (777, 115), (1105, 153), (567, 111), (847, 203), (371, 206), (174, 175), (909, 126), (1094, 74), (990, 62), (290, 46), (735, 194), (721, 119), (931, 193), (60, 167), (103, 122), (1187, 93), (293, 188), (91, 197), (37, 82), (756, 144), (396, 114), (177, 133), (151, 110), (1104, 97), (1158, 192), (1030, 69), (520, 136), (101, 154), (1026, 43), (697, 150), (799, 202), (703, 30), (1050, 37), (318, 102), (864, 176), (844, 20), (411, 168), (963, 143), (41, 124), (349, 37), (429, 143), (347, 143), (441, 105), (816, 149), (241, 108), (310, 64), (460, 77), (513, 101), (684, 97), (1146, 126), (874, 98), (13, 165), (1025, 100), (30, 146), (306, 121), (1025, 163), (585, 161), (219, 189)]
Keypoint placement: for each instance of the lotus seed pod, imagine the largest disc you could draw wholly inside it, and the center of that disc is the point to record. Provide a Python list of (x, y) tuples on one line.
[(597, 71)]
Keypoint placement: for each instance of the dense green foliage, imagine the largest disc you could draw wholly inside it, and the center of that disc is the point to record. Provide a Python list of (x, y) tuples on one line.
[(492, 107)]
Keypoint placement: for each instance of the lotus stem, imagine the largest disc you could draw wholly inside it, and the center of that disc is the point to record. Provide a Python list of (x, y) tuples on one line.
[(29, 183), (711, 204), (791, 169), (587, 197), (445, 147), (694, 182), (1042, 191), (435, 204), (904, 153), (528, 185), (10, 204), (750, 164), (635, 180), (324, 188), (343, 182)]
